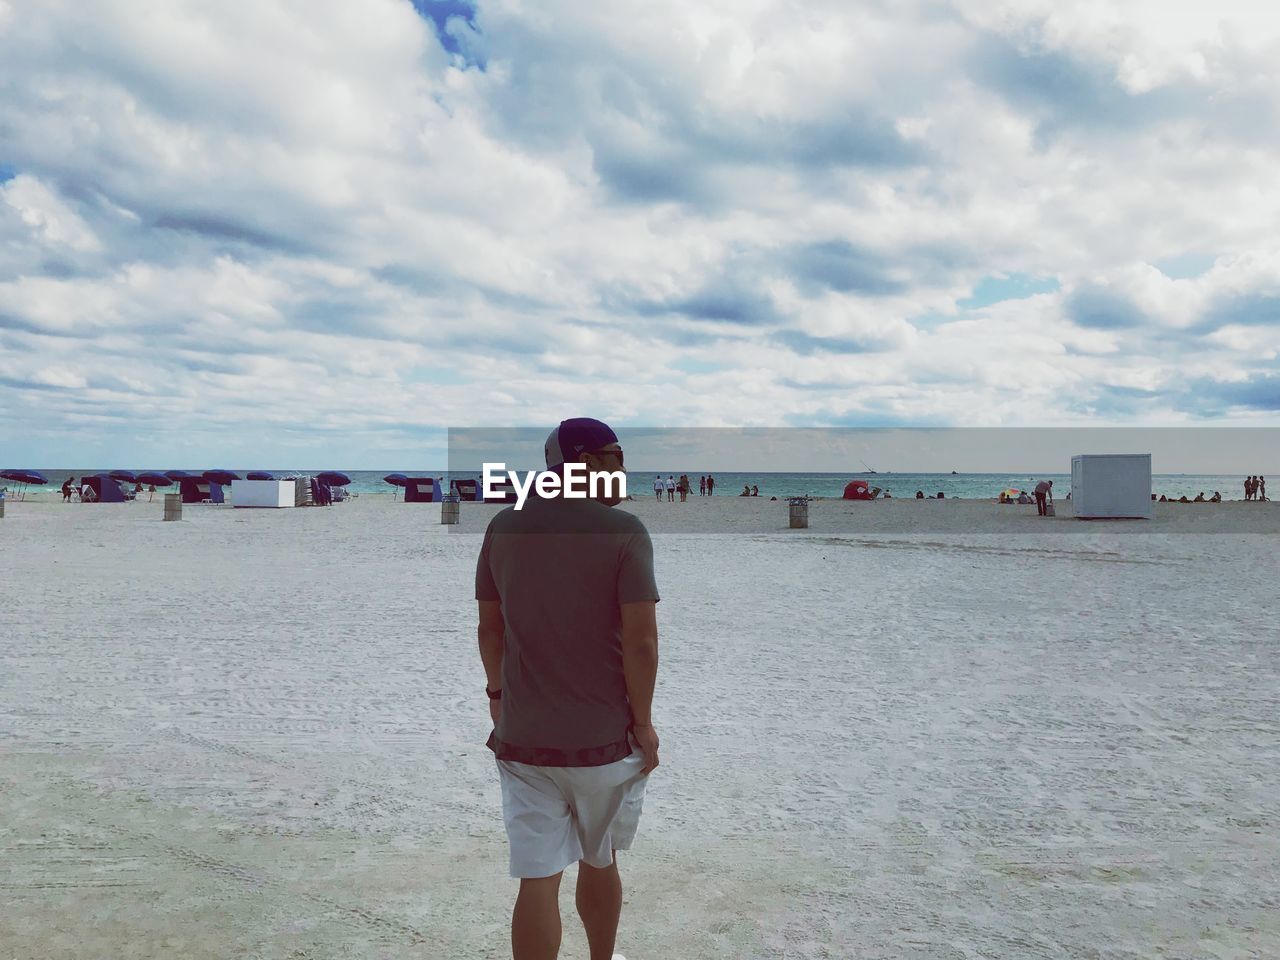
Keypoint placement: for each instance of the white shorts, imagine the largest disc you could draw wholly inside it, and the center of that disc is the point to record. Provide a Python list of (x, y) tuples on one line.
[(557, 815)]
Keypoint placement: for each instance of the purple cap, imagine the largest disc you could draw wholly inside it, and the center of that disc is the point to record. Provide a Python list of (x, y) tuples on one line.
[(575, 437)]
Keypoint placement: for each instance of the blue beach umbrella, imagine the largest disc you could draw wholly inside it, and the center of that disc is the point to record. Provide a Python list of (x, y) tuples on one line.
[(152, 479), (124, 476), (179, 475), (396, 480), (23, 478), (333, 478), (220, 477), (259, 475)]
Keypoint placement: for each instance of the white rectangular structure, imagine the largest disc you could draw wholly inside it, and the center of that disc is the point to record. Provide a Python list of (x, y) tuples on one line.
[(262, 493), (1111, 485)]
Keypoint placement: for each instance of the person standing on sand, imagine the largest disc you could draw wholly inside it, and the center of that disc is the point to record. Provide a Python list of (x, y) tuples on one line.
[(1248, 488), (711, 485), (671, 488), (658, 486), (1262, 488), (1044, 496), (569, 641), (702, 485)]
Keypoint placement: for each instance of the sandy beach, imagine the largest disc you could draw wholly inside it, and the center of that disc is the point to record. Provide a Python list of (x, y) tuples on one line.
[(939, 729)]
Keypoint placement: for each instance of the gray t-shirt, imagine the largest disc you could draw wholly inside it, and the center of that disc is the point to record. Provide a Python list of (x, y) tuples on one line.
[(561, 569)]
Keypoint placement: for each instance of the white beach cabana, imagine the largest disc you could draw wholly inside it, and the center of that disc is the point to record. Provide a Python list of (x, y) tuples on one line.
[(1111, 485), (262, 493)]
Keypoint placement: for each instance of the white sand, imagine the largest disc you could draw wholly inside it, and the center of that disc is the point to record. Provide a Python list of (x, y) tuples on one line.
[(260, 734)]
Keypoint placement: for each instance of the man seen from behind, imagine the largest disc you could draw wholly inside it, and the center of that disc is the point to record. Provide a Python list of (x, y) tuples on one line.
[(569, 640)]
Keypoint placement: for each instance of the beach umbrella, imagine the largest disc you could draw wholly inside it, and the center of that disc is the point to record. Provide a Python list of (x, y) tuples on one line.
[(179, 475), (154, 479), (333, 478), (124, 476), (259, 475), (396, 480), (1009, 493), (23, 478), (220, 477)]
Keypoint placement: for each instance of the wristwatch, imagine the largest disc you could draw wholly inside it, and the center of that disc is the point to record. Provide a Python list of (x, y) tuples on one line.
[(494, 694)]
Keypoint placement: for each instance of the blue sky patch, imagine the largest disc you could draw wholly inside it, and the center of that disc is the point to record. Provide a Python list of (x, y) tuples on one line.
[(690, 365), (7, 172), (439, 13), (1185, 265), (1015, 286)]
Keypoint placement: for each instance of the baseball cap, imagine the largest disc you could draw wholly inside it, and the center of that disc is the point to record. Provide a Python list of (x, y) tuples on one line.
[(574, 437)]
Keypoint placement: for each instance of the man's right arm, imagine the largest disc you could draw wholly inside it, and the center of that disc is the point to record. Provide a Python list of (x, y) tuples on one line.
[(640, 667)]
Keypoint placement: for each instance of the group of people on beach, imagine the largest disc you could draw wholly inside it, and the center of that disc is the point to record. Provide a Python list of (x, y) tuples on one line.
[(683, 486), (1255, 488)]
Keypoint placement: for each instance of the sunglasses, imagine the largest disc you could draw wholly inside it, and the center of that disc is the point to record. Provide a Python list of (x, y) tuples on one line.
[(607, 453)]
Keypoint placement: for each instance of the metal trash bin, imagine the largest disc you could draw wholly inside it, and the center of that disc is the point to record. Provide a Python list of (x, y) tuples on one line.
[(173, 506), (449, 509), (799, 512)]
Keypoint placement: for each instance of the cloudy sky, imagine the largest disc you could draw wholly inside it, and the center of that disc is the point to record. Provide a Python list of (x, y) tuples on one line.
[(316, 232)]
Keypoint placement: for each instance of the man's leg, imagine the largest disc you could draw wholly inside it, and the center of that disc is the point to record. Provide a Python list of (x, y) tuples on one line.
[(535, 922), (599, 905)]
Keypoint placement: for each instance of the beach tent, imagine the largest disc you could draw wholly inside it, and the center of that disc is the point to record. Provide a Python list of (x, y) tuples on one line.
[(421, 490), (105, 489), (506, 493), (199, 490), (1111, 485), (857, 490), (466, 489)]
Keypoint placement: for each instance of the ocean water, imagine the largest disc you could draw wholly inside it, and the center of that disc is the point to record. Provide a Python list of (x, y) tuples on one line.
[(968, 486)]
